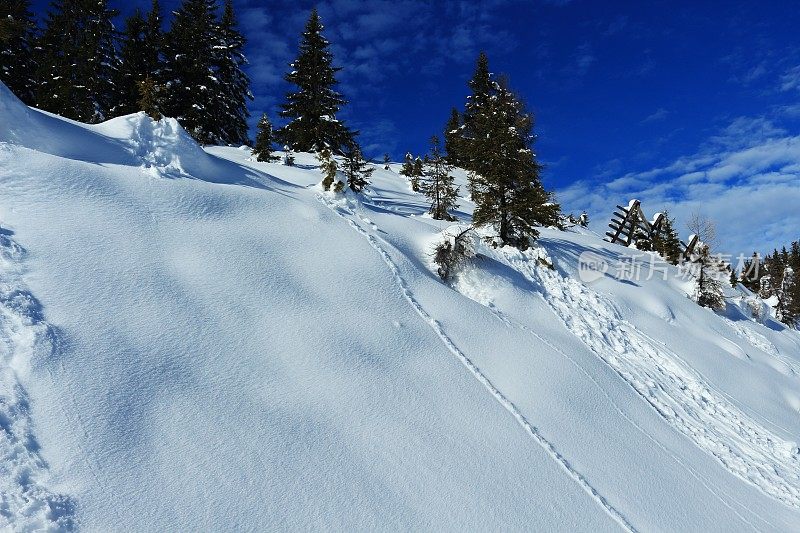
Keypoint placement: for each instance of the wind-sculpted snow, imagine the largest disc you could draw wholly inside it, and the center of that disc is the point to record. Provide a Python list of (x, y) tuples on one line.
[(345, 209), (26, 504), (662, 378)]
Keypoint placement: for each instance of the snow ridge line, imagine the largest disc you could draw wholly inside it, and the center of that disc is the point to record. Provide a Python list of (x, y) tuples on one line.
[(476, 372), (676, 391), (25, 502)]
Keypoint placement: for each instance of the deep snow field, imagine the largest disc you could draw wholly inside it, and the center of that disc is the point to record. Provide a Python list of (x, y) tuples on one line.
[(194, 341)]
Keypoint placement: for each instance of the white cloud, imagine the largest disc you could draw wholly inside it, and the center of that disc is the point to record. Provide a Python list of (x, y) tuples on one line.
[(746, 178)]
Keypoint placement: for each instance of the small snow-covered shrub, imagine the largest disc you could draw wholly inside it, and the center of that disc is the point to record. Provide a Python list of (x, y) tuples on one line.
[(453, 251)]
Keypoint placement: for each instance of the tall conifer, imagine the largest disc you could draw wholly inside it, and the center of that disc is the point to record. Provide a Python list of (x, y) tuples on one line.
[(140, 55), (77, 61), (17, 37), (312, 108)]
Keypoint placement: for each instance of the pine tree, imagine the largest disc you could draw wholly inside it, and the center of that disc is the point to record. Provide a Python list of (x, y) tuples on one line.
[(264, 140), (504, 174), (478, 118), (386, 162), (708, 289), (17, 38), (192, 85), (330, 171), (408, 166), (355, 167), (452, 138), (794, 290), (313, 107), (149, 98), (583, 220), (752, 272), (666, 241), (229, 108), (438, 184), (77, 61), (417, 170), (139, 58)]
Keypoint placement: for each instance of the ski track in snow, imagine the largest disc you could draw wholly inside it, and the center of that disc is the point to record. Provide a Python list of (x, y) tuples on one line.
[(343, 212), (677, 392), (511, 322), (25, 502)]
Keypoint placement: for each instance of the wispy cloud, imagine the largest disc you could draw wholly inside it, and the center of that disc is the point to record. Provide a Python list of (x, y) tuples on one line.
[(746, 178), (658, 114)]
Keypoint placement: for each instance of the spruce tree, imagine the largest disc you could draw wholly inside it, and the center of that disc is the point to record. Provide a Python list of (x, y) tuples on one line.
[(330, 171), (189, 74), (477, 119), (504, 174), (17, 39), (408, 166), (386, 162), (452, 138), (355, 167), (150, 98), (438, 185), (312, 108), (77, 61), (583, 220), (666, 241), (417, 170), (708, 289), (140, 58), (229, 108), (264, 140)]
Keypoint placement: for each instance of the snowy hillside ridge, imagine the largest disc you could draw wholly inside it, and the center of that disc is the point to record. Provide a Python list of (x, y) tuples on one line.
[(238, 349), (26, 504)]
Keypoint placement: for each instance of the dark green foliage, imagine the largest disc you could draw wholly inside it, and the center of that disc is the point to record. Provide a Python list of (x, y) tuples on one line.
[(229, 109), (355, 168), (437, 184), (150, 98), (386, 161), (313, 106), (140, 59), (752, 272), (504, 174), (17, 37), (452, 138), (189, 69), (708, 289), (408, 166), (329, 169), (264, 140), (453, 252), (666, 241), (417, 170), (77, 62)]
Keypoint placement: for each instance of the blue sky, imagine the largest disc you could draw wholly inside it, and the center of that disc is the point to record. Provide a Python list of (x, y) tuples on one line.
[(686, 105)]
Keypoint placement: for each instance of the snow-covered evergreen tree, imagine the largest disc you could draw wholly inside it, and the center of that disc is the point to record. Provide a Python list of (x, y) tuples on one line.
[(386, 162), (312, 108), (229, 109), (193, 88), (140, 59), (330, 171), (77, 61), (452, 138), (708, 289), (355, 168), (583, 220), (666, 241), (504, 174), (150, 98), (437, 184), (407, 169), (264, 139), (17, 38)]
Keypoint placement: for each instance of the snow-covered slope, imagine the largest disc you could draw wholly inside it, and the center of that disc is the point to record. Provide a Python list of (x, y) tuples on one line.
[(190, 340)]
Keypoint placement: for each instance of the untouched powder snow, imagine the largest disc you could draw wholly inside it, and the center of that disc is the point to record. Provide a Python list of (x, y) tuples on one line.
[(190, 340)]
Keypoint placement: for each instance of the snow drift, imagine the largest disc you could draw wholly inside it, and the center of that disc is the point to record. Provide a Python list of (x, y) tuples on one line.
[(192, 340)]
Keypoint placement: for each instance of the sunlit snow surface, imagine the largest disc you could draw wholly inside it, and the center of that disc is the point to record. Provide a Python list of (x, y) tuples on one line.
[(191, 340)]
